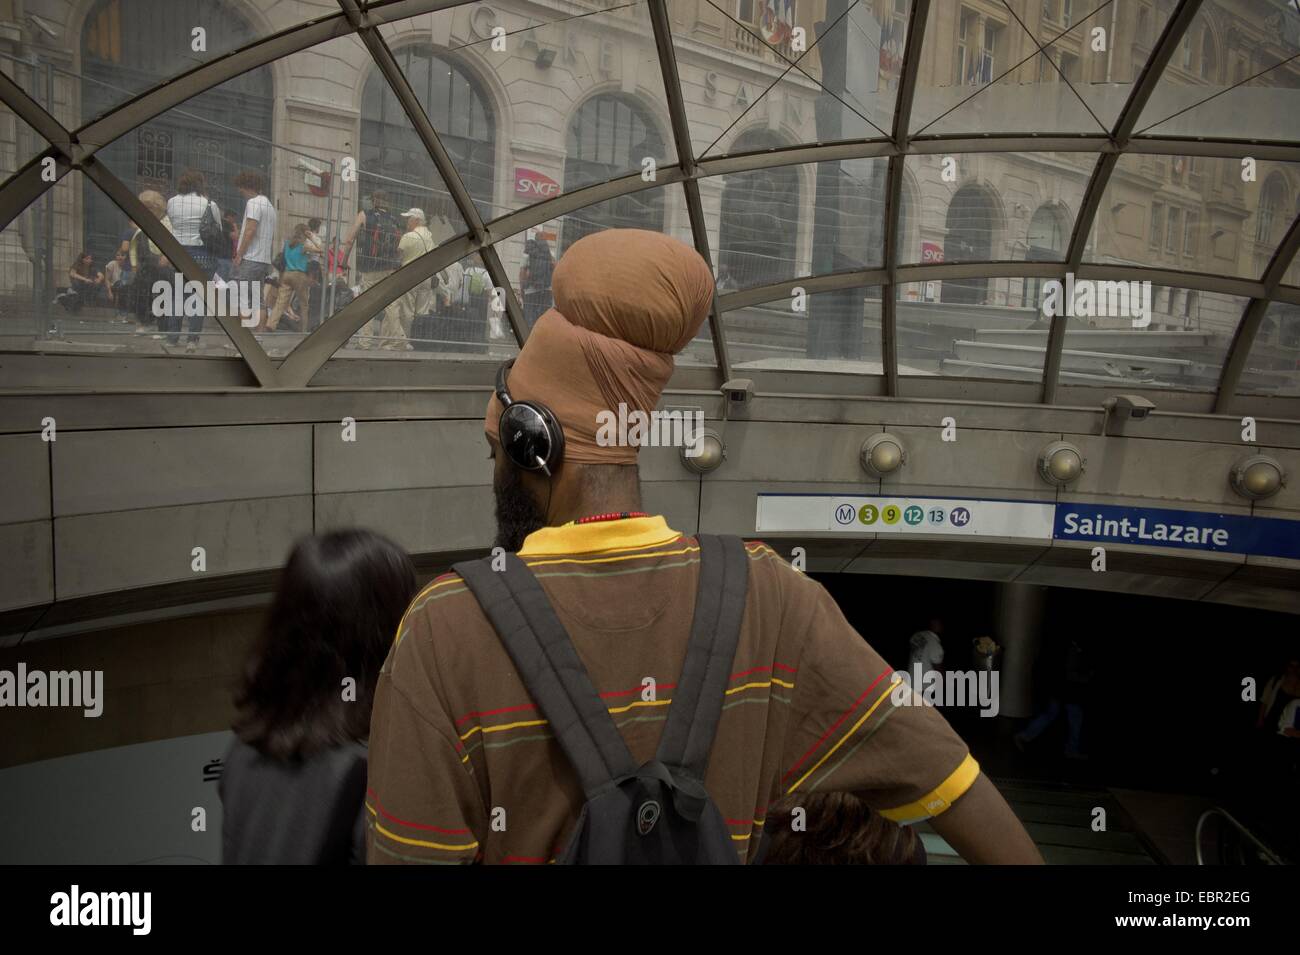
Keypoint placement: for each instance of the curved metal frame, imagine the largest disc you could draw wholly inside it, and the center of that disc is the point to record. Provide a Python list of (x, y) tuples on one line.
[(75, 149), (1205, 817)]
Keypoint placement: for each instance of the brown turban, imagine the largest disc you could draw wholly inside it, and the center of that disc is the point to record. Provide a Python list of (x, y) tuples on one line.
[(626, 301)]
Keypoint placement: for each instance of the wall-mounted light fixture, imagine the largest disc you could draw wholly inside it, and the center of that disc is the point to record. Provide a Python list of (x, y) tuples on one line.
[(882, 454), (711, 452), (1060, 463), (1257, 477)]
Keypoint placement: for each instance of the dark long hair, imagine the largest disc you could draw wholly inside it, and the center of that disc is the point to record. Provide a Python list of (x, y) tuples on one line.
[(841, 830), (340, 599)]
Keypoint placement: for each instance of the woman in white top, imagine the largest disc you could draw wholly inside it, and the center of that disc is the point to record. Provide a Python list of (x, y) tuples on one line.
[(186, 210)]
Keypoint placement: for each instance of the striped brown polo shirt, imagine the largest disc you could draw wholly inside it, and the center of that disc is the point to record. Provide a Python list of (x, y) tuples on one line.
[(463, 767)]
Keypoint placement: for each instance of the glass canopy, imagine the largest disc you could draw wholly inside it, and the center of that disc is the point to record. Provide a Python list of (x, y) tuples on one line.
[(1057, 192)]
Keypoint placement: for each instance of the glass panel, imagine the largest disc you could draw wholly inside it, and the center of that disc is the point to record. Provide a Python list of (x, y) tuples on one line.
[(835, 331), (1183, 347), (127, 47), (52, 299), (984, 328), (1004, 333), (530, 257), (980, 207), (769, 225), (1236, 75), (453, 314), (1273, 365), (1292, 274), (304, 174), (1195, 214), (748, 64), (983, 72), (1099, 48), (583, 101)]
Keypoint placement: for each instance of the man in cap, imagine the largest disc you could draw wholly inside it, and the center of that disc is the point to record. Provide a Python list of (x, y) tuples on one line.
[(416, 241), (463, 767)]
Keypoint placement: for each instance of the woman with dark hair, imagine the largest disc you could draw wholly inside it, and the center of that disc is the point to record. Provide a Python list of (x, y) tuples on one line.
[(294, 782), (86, 284)]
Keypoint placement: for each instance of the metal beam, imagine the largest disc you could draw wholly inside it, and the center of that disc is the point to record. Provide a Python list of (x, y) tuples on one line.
[(1174, 278), (521, 220), (500, 279), (894, 193), (105, 129), (34, 115), (254, 356), (76, 150), (304, 361), (663, 35), (905, 274), (1253, 316), (1138, 96), (29, 184), (1213, 148), (377, 13), (832, 282), (414, 110)]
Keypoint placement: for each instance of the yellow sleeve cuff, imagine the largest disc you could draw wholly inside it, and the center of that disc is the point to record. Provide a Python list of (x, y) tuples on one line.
[(938, 799)]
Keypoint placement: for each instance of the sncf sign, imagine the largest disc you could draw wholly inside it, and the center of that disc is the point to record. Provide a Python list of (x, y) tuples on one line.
[(532, 184)]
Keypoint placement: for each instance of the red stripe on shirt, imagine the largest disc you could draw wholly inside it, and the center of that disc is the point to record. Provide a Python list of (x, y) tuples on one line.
[(834, 726)]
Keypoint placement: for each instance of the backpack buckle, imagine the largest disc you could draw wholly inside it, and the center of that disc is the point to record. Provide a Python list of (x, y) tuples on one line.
[(647, 815)]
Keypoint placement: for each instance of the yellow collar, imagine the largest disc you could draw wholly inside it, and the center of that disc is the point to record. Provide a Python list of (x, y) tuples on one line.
[(629, 533)]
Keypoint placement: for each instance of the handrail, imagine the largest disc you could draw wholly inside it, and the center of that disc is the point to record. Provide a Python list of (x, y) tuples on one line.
[(1272, 856)]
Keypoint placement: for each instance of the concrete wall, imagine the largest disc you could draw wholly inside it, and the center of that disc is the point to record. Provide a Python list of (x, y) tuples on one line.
[(111, 516)]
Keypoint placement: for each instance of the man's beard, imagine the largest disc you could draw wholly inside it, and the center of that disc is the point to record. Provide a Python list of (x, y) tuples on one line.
[(517, 512)]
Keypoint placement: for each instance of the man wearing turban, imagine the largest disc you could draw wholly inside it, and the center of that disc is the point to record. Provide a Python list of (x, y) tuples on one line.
[(463, 766)]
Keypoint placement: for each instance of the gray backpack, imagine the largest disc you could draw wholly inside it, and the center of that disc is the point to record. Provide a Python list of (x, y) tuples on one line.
[(658, 813)]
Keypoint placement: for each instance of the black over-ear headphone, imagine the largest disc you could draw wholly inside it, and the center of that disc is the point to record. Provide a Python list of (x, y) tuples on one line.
[(529, 433)]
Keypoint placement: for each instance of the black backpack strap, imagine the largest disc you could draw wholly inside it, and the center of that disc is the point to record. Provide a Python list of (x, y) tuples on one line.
[(553, 674), (687, 738)]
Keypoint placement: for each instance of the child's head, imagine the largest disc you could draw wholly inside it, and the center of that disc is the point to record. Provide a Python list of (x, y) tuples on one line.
[(834, 829)]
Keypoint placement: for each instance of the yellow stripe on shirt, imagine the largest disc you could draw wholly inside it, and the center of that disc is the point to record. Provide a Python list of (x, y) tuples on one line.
[(941, 797)]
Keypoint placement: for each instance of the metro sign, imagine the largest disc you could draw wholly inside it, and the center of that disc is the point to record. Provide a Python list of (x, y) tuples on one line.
[(532, 184)]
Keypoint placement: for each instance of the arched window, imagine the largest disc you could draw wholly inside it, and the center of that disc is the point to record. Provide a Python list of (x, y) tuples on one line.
[(460, 111), (759, 222), (970, 239), (1045, 243), (1272, 203), (1046, 239), (132, 46), (1209, 57), (608, 137)]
